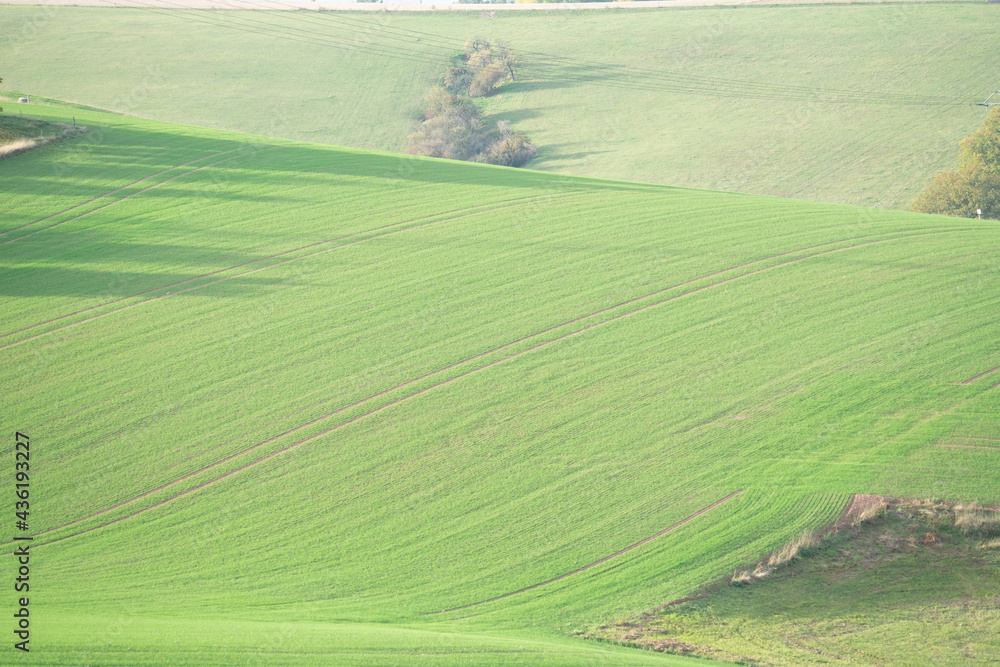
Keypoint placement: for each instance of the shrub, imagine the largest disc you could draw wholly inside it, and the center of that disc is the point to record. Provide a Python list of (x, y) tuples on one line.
[(871, 511), (457, 79), (508, 148), (789, 552), (961, 193), (437, 101), (16, 147), (486, 81), (741, 578), (456, 133)]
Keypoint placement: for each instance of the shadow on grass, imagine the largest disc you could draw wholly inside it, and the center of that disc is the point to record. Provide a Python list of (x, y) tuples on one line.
[(553, 153), (60, 281)]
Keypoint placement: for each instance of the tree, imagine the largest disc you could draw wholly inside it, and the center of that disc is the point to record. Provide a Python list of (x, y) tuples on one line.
[(506, 57), (486, 81), (474, 44), (983, 146), (481, 68), (451, 126), (457, 79), (976, 185)]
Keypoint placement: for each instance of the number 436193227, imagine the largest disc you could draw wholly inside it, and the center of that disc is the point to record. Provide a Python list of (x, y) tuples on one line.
[(22, 456)]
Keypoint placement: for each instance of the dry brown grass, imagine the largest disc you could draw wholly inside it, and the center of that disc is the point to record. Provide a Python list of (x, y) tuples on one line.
[(790, 551), (975, 520), (17, 147), (871, 511), (742, 578), (778, 559), (31, 134)]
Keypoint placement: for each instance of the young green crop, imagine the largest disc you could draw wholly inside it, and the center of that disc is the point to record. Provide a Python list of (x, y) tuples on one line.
[(272, 382)]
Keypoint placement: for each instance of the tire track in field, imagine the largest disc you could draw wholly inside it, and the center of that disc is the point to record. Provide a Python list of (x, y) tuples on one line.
[(981, 375), (430, 374), (596, 562), (395, 228), (134, 194), (946, 444), (459, 376), (495, 349), (126, 186)]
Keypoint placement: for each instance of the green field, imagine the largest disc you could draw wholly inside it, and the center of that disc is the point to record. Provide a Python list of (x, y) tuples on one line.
[(309, 403), (857, 104)]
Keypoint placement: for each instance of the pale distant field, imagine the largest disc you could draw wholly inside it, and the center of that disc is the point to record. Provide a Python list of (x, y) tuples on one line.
[(856, 104)]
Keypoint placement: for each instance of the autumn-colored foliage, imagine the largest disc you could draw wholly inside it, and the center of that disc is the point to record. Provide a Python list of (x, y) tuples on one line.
[(451, 126), (976, 185)]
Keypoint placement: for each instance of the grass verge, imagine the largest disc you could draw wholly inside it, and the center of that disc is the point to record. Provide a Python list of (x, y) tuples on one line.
[(860, 595), (20, 135)]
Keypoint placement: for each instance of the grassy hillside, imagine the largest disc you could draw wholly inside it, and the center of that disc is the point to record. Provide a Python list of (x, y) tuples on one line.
[(375, 402), (852, 104), (860, 597)]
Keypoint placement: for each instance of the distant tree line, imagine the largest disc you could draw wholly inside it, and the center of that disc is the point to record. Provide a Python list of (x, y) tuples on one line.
[(451, 125), (976, 184)]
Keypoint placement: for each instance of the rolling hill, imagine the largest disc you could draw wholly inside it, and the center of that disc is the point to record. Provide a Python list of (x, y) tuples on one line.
[(296, 403), (856, 104)]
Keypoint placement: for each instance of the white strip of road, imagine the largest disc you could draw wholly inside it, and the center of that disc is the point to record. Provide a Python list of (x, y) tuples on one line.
[(486, 9)]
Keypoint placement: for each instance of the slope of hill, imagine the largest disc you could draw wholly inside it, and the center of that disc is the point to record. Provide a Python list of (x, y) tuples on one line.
[(852, 104), (367, 401), (859, 597)]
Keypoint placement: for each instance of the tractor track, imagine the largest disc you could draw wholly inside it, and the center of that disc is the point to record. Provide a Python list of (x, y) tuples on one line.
[(519, 340), (981, 375), (452, 379), (124, 187), (395, 229), (663, 532), (117, 201), (948, 444)]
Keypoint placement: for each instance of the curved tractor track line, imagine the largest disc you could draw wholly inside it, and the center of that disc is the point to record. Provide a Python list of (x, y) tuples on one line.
[(493, 205), (128, 185), (461, 375), (947, 444), (396, 227), (436, 385), (433, 373), (981, 375), (491, 351), (134, 194), (596, 562)]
